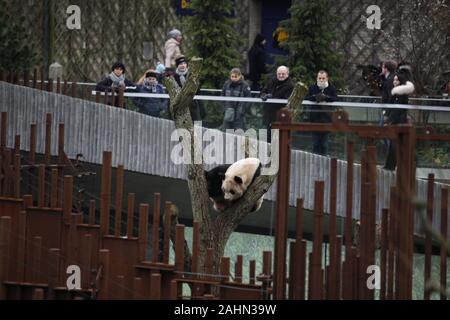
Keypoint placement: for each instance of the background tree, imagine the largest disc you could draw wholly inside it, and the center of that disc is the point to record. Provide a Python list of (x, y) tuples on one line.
[(15, 52), (311, 36), (214, 37)]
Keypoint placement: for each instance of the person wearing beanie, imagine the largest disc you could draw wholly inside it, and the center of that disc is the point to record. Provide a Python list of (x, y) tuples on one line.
[(257, 64), (115, 80), (172, 47), (234, 112), (146, 105)]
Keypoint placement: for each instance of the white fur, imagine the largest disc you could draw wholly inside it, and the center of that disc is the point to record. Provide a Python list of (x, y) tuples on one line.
[(245, 169), (403, 89)]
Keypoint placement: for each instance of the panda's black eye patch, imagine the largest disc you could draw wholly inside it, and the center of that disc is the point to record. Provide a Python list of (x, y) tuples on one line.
[(238, 180), (232, 192)]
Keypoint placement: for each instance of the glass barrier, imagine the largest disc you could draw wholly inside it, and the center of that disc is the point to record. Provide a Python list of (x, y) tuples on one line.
[(249, 115)]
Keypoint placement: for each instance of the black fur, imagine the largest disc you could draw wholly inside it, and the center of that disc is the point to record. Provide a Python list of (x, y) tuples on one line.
[(214, 178)]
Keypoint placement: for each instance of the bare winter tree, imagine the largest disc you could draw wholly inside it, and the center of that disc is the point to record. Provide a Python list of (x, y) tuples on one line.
[(214, 231), (421, 35)]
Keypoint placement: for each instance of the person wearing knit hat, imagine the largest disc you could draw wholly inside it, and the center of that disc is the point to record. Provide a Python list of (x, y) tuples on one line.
[(115, 80), (172, 47), (146, 105)]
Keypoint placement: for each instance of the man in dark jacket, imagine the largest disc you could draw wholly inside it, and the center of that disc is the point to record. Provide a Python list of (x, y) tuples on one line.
[(321, 91), (256, 60), (280, 87), (115, 80)]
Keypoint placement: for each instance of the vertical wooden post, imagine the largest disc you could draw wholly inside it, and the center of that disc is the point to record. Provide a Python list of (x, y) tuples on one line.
[(347, 283), (61, 131), (225, 269), (238, 269), (195, 247), (119, 195), (143, 231), (155, 227), (17, 144), (130, 214), (4, 130), (49, 85), (54, 189), (58, 85), (35, 76), (53, 271), (65, 88), (26, 78), (155, 286), (316, 276), (179, 248), (42, 80), (41, 186), (104, 259), (167, 223), (5, 247), (279, 283), (48, 138), (444, 233), (428, 236), (332, 277), (392, 244), (252, 271), (17, 176), (383, 252), (68, 192), (105, 193), (121, 97), (92, 212)]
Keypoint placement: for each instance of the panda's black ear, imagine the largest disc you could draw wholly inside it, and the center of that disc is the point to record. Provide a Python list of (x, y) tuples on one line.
[(238, 180), (221, 175)]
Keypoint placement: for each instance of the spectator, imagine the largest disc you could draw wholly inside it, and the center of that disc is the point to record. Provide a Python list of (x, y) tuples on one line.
[(115, 80), (402, 88), (321, 91), (256, 59), (280, 87), (181, 75), (234, 112), (150, 106), (172, 47)]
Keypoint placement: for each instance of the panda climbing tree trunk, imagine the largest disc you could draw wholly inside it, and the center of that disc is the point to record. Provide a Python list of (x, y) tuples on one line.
[(214, 233)]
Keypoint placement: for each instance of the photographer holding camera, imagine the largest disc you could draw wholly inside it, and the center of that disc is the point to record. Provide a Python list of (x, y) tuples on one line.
[(321, 91), (280, 87)]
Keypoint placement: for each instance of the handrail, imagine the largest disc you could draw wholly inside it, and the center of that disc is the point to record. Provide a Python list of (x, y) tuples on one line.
[(285, 101)]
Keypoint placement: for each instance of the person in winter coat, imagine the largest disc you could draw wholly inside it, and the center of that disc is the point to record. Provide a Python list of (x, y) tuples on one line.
[(115, 80), (234, 112), (172, 47), (257, 64), (321, 91), (151, 106), (280, 87), (181, 75), (402, 88)]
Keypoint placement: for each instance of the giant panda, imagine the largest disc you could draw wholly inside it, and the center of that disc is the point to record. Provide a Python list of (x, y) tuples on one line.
[(238, 178), (228, 183)]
